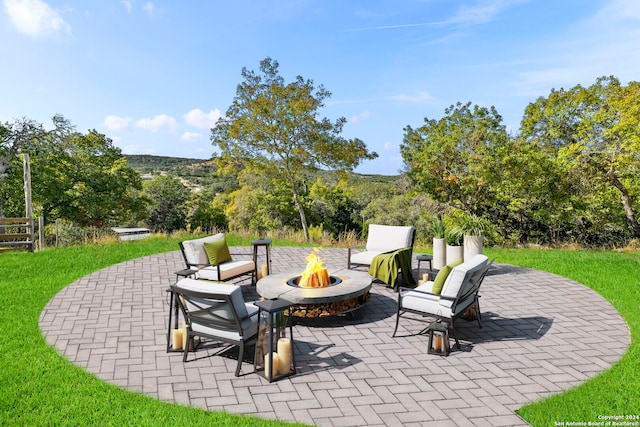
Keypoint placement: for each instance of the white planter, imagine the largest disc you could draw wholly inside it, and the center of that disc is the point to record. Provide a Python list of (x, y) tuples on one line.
[(454, 253), (439, 253), (472, 246)]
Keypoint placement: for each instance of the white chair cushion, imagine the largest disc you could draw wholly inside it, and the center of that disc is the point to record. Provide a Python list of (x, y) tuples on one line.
[(455, 279), (427, 303), (194, 249), (364, 257), (234, 292), (385, 238), (227, 270), (432, 304)]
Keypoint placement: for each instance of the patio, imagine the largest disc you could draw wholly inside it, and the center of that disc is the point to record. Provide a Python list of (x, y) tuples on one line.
[(542, 334)]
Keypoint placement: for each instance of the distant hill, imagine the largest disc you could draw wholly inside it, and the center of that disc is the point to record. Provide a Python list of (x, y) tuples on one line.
[(198, 172)]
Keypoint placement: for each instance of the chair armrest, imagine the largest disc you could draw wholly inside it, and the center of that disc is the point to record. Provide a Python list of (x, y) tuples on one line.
[(360, 247)]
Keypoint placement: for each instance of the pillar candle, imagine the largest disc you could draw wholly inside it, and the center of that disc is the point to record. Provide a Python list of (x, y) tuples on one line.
[(176, 339), (264, 270), (425, 277), (284, 356), (438, 343), (276, 365)]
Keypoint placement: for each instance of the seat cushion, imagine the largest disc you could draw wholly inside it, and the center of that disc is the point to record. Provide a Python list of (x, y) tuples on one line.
[(227, 270), (194, 250), (426, 303), (217, 251), (364, 257)]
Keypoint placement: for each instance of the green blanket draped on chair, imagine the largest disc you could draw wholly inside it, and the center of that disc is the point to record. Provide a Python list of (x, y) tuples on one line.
[(385, 267)]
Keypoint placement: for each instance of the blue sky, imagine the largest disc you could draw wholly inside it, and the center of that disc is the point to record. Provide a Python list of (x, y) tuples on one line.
[(155, 75)]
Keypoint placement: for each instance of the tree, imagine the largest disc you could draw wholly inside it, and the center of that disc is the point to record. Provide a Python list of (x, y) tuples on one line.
[(23, 136), (451, 158), (85, 179), (167, 211), (275, 130), (596, 132)]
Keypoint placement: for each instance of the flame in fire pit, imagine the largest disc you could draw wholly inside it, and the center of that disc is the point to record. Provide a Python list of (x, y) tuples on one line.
[(316, 274)]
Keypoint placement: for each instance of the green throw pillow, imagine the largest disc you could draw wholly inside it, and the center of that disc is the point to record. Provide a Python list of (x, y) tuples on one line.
[(438, 282), (217, 251), (441, 277)]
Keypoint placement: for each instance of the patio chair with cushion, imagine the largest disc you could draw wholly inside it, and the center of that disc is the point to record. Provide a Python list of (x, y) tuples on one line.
[(216, 311), (389, 248), (450, 295), (210, 258)]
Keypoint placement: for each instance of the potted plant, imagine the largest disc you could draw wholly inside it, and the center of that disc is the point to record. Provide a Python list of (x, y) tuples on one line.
[(453, 237), (474, 228), (439, 244)]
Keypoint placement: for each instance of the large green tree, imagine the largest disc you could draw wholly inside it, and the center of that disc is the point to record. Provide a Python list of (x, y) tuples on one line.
[(167, 211), (594, 130), (451, 159), (24, 136), (274, 128)]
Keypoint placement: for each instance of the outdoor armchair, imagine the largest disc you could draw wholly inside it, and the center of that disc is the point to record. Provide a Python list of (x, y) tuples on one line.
[(458, 293), (389, 248), (210, 258), (216, 311)]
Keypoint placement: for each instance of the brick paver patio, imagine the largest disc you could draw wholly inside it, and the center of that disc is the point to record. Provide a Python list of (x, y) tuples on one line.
[(542, 334)]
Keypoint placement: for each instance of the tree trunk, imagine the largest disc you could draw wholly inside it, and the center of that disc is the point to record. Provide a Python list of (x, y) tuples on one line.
[(628, 207), (303, 216)]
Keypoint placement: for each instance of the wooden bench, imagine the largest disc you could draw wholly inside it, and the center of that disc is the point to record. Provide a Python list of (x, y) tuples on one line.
[(21, 232)]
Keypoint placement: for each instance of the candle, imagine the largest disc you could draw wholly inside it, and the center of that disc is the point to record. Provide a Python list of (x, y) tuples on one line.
[(265, 270), (267, 371), (425, 277), (176, 339), (284, 356), (439, 343)]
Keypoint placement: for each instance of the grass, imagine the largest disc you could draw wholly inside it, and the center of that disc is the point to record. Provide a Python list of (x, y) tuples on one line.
[(614, 275), (39, 387)]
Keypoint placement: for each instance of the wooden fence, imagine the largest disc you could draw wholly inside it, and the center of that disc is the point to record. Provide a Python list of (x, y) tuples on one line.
[(17, 232)]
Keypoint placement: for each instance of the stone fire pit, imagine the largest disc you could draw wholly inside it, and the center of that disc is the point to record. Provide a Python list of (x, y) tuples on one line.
[(347, 295)]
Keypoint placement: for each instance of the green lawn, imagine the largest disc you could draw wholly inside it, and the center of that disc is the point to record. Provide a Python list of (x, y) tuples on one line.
[(39, 387)]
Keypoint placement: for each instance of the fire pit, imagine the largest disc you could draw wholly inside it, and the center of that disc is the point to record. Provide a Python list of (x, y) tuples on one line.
[(295, 281), (315, 292)]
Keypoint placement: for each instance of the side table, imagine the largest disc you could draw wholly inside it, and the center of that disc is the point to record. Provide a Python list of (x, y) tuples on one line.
[(424, 257), (267, 245)]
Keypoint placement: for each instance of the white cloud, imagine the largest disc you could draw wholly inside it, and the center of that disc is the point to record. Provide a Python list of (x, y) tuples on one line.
[(127, 5), (190, 136), (156, 123), (419, 97), (390, 146), (200, 119), (360, 117), (35, 18), (150, 8), (116, 123)]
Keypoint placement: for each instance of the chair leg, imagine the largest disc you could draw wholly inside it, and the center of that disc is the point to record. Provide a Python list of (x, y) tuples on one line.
[(185, 350), (397, 323), (240, 356)]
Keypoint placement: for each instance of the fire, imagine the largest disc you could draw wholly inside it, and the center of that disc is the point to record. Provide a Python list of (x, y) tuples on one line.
[(315, 275)]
